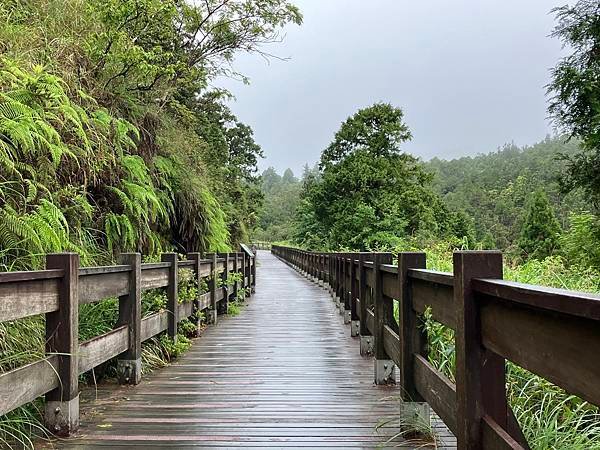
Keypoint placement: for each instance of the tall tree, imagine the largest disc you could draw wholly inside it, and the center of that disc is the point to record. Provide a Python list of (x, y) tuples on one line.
[(540, 234), (379, 128), (369, 193), (575, 91), (281, 197)]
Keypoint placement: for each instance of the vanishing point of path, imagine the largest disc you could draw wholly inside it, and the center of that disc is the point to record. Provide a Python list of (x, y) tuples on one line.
[(283, 373)]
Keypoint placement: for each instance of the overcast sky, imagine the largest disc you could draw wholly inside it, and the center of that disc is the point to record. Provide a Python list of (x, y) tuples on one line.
[(469, 75)]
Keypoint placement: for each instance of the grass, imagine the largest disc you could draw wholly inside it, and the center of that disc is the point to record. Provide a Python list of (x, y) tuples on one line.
[(413, 428), (550, 417)]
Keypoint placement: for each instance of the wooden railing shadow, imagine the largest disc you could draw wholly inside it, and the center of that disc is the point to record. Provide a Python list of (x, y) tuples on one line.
[(550, 332)]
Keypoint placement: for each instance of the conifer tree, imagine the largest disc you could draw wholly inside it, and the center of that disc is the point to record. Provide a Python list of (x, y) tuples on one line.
[(540, 233)]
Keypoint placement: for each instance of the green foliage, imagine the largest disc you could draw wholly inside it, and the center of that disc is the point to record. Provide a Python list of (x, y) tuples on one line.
[(281, 200), (369, 195), (379, 128), (581, 245), (111, 141), (492, 189), (575, 91), (541, 231)]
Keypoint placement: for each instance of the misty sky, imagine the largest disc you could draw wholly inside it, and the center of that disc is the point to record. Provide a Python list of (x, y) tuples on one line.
[(469, 75)]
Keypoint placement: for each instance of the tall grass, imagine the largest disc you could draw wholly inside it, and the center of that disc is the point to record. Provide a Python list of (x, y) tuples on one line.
[(550, 417)]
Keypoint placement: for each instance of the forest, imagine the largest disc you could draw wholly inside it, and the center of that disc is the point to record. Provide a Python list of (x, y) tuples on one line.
[(486, 201)]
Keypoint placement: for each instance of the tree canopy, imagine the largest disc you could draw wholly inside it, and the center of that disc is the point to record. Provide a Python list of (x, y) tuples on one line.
[(540, 233), (111, 138), (575, 92), (368, 193)]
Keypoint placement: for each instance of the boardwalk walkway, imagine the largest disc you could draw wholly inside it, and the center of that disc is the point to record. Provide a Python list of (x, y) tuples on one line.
[(283, 373)]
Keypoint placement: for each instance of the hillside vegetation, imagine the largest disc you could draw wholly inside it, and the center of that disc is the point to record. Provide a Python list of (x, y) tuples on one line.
[(111, 139), (493, 189)]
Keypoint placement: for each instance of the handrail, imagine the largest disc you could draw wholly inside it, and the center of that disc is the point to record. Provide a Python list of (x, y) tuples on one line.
[(58, 293), (551, 332)]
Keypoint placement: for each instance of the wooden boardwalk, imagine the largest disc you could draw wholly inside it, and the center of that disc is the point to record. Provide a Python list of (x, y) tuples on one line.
[(283, 373)]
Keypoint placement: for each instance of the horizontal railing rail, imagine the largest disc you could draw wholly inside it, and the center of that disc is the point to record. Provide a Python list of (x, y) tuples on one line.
[(550, 332), (261, 245), (57, 293)]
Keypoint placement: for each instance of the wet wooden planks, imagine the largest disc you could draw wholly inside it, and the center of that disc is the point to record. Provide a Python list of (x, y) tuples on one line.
[(284, 373)]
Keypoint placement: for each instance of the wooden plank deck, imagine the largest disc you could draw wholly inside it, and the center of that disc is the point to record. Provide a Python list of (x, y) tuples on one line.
[(284, 373)]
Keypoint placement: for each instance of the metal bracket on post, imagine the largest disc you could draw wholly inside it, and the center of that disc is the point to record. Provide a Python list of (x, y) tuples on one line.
[(354, 328), (366, 345), (384, 371)]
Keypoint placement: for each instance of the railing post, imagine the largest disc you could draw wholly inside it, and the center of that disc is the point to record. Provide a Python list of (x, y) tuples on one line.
[(196, 257), (222, 307), (243, 269), (62, 338), (332, 274), (366, 339), (253, 287), (212, 287), (338, 278), (413, 338), (329, 273), (236, 270), (384, 315), (172, 291), (129, 363), (341, 283), (354, 319), (249, 272), (480, 374), (321, 273), (347, 281)]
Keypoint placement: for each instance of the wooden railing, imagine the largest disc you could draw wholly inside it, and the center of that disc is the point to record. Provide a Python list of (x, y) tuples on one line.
[(57, 293), (261, 245), (550, 332)]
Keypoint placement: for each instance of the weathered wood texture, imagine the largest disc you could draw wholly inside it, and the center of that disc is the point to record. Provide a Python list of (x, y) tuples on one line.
[(282, 374), (551, 332), (58, 292)]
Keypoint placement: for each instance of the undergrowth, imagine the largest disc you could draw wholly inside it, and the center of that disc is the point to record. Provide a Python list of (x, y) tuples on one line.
[(550, 417)]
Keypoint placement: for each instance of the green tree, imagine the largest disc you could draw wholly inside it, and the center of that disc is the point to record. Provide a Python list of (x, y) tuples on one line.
[(575, 91), (541, 231), (379, 128), (369, 194), (581, 243), (281, 198), (492, 189)]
